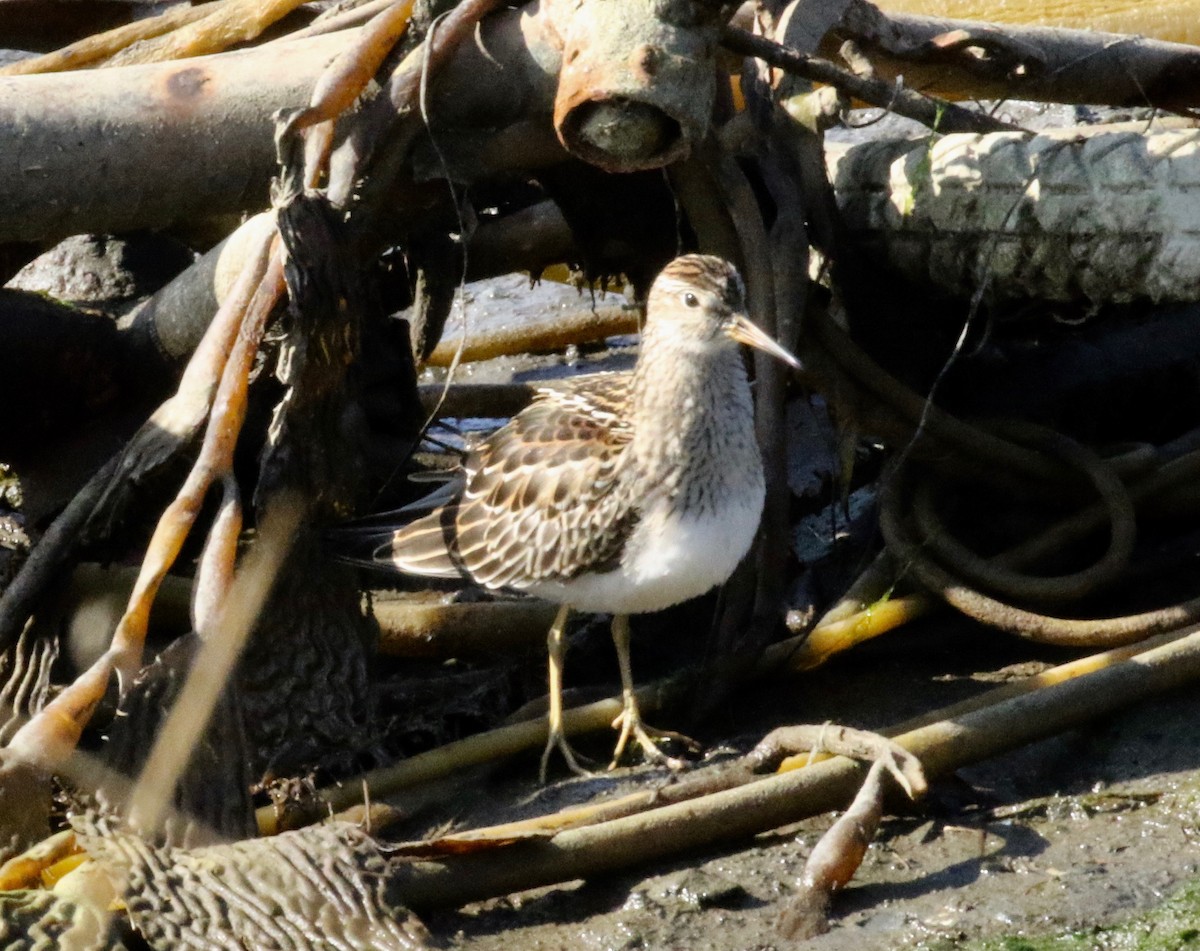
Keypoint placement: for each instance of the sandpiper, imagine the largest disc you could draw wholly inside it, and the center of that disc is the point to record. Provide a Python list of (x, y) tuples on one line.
[(618, 493)]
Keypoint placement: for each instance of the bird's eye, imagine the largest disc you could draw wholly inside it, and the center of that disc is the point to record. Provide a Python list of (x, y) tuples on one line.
[(691, 300)]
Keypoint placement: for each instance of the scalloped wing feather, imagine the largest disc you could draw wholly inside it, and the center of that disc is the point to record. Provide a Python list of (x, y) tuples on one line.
[(538, 502)]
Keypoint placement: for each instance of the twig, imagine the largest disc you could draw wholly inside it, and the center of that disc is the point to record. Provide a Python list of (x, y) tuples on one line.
[(93, 49), (331, 22), (1047, 678), (214, 461), (435, 629), (939, 115), (811, 649), (582, 325), (491, 400), (735, 814), (376, 133), (342, 83), (1001, 61), (826, 740), (168, 431), (233, 21), (801, 653), (472, 751), (51, 735), (835, 858), (227, 634)]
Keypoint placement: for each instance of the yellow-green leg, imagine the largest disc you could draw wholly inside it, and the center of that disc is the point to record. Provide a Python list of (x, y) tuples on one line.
[(630, 720), (556, 645)]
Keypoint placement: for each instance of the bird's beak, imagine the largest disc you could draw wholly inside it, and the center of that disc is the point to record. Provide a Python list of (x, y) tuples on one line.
[(743, 331)]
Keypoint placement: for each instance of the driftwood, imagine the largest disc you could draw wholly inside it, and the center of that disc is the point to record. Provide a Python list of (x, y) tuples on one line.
[(487, 110), (735, 813), (965, 58), (489, 145), (99, 47), (137, 147)]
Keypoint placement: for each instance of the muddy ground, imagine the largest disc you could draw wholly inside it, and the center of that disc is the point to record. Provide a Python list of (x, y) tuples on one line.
[(1077, 833)]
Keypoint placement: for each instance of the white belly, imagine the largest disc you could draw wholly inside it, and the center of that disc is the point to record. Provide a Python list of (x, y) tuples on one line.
[(669, 560)]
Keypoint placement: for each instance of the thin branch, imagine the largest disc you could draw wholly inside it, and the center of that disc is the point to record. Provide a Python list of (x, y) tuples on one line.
[(938, 114), (1003, 61), (734, 814)]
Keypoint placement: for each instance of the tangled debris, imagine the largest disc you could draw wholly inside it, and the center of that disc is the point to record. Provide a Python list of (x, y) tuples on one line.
[(998, 321)]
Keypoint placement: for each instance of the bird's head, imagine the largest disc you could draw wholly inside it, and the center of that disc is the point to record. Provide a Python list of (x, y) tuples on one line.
[(703, 298)]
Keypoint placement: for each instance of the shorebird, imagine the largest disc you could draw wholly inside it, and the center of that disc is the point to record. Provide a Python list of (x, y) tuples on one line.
[(618, 493)]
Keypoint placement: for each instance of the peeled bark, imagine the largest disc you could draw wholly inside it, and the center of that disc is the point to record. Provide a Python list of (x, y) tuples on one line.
[(147, 146), (977, 60)]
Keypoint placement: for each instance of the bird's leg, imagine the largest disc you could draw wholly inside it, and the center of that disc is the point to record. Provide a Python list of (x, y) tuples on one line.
[(556, 644), (630, 719)]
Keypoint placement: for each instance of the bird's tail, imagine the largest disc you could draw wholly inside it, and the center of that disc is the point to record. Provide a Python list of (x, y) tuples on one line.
[(398, 542), (358, 544)]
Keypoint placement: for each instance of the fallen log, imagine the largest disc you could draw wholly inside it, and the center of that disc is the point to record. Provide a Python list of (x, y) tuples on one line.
[(147, 146), (978, 60), (152, 130)]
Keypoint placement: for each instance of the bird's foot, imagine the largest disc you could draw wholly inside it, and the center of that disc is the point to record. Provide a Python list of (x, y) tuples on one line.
[(558, 740), (632, 727)]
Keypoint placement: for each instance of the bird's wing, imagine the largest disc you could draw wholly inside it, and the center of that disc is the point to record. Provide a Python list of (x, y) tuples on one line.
[(537, 503)]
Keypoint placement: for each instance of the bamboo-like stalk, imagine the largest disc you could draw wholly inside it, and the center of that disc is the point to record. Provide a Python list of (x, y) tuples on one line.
[(433, 629), (472, 751), (804, 652), (93, 49), (234, 21), (584, 325), (787, 797), (829, 637)]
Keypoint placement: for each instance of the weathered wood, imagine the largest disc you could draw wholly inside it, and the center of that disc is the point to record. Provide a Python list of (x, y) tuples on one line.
[(972, 59), (147, 146)]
